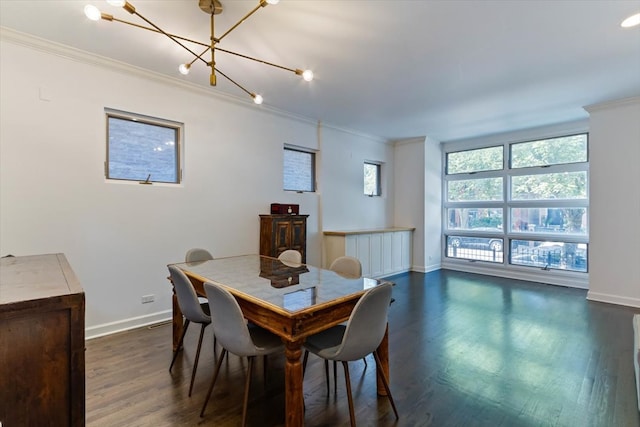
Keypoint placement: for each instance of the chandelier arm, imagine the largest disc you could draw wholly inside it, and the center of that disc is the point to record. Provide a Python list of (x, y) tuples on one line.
[(235, 83), (240, 21), (200, 57), (160, 30), (293, 70)]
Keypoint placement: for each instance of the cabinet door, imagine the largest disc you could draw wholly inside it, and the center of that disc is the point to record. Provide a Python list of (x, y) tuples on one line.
[(364, 253), (406, 250), (397, 248), (281, 236), (298, 234), (375, 255)]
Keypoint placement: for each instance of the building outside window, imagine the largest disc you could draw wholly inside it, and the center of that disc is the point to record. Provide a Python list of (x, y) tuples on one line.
[(299, 169), (142, 148)]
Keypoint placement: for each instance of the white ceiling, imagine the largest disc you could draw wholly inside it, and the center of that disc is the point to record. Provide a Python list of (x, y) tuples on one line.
[(394, 69)]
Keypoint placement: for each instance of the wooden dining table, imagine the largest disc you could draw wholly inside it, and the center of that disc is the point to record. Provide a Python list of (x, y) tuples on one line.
[(291, 300)]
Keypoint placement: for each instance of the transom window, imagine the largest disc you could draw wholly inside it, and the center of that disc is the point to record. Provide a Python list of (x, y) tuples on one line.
[(142, 148), (519, 204)]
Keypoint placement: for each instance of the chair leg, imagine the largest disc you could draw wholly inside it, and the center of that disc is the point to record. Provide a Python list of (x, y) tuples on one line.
[(213, 381), (352, 416), (246, 391), (264, 370), (383, 377), (326, 373), (304, 362), (175, 353), (364, 359), (335, 378), (195, 362)]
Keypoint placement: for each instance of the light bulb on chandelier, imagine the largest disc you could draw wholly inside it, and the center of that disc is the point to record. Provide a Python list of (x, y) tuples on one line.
[(257, 98), (211, 7), (184, 69)]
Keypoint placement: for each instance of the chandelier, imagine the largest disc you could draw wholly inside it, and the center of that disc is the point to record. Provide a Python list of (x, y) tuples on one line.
[(211, 7)]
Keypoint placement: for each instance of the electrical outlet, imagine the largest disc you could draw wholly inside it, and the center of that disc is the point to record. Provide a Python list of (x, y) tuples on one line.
[(147, 298)]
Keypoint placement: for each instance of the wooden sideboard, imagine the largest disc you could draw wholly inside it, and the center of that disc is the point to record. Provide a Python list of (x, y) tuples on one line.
[(42, 370), (281, 232), (382, 252)]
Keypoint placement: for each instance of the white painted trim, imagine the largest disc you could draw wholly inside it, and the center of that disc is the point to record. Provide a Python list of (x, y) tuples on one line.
[(127, 324), (552, 277), (612, 104), (613, 299)]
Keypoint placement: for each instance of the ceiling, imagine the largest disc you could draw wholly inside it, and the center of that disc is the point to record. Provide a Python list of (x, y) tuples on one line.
[(393, 69)]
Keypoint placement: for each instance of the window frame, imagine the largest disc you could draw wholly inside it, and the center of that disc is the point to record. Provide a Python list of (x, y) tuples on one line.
[(507, 232), (177, 127), (378, 168), (312, 153)]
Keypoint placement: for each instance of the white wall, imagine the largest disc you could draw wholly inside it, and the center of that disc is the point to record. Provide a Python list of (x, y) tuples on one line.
[(120, 237), (345, 206), (614, 142), (418, 198)]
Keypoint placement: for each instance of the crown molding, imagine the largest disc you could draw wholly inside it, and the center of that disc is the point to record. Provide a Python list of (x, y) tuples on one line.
[(625, 102)]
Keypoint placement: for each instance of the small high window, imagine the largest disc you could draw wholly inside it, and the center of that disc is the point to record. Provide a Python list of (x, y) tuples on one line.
[(372, 185), (143, 149), (299, 169)]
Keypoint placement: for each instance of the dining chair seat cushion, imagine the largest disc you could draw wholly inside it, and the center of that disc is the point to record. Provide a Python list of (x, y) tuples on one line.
[(326, 343), (264, 341)]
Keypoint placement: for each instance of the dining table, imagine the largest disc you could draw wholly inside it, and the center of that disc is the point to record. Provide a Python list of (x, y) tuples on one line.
[(289, 299)]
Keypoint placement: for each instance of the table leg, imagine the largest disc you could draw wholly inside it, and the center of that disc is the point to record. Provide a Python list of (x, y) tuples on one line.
[(177, 322), (294, 399), (383, 353)]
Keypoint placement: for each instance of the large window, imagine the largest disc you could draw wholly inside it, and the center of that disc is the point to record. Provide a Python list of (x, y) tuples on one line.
[(142, 149), (522, 204), (299, 169)]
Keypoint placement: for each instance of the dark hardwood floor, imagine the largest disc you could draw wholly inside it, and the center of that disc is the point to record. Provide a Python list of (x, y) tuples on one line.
[(465, 350)]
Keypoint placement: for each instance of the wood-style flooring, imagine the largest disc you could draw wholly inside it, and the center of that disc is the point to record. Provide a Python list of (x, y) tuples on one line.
[(465, 350)]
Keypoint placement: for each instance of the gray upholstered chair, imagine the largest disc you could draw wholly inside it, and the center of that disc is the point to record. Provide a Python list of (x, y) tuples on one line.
[(347, 266), (193, 311), (235, 336), (197, 254), (361, 335), (291, 255)]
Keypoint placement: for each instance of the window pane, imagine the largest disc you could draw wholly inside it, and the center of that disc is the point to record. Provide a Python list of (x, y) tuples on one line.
[(565, 185), (476, 248), (570, 220), (299, 170), (371, 179), (550, 255), (480, 219), (474, 190), (484, 159), (566, 149), (138, 150)]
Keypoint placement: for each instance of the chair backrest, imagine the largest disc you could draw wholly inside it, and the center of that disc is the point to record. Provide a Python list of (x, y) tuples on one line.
[(367, 324), (347, 266), (229, 324), (187, 297), (197, 254), (291, 255)]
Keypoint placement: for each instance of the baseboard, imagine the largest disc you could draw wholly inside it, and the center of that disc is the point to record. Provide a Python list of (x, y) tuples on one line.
[(613, 299), (127, 324)]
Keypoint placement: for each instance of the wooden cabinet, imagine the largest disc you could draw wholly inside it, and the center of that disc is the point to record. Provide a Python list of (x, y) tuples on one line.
[(281, 232), (381, 252), (41, 342)]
